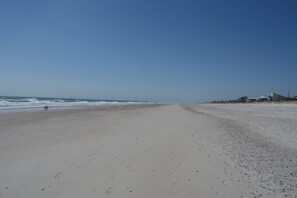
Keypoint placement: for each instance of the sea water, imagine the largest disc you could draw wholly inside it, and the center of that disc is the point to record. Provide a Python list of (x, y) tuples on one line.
[(9, 103)]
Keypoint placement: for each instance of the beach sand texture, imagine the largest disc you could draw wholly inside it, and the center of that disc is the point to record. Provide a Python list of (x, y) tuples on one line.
[(236, 150)]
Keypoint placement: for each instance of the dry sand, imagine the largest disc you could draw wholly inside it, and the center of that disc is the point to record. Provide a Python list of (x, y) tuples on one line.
[(150, 151)]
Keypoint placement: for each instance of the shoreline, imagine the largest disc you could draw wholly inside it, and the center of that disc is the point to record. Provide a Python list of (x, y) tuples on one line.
[(21, 103), (66, 108)]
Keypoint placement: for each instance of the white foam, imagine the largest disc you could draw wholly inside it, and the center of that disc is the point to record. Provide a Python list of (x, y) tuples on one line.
[(28, 103)]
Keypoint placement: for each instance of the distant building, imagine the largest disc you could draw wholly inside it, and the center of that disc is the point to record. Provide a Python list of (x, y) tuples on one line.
[(242, 99), (263, 98), (277, 97), (251, 100)]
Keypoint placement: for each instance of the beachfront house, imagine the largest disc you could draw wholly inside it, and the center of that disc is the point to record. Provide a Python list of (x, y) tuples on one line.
[(263, 98), (251, 99), (242, 99), (277, 97)]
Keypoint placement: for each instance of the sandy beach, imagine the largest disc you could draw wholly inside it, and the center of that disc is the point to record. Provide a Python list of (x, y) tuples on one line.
[(223, 150)]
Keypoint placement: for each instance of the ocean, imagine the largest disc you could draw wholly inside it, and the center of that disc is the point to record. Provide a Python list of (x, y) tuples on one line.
[(10, 103)]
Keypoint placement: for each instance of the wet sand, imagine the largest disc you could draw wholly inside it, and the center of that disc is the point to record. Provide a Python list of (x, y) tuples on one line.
[(148, 151)]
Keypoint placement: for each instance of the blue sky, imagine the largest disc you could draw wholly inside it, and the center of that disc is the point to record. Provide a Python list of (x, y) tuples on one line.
[(161, 50)]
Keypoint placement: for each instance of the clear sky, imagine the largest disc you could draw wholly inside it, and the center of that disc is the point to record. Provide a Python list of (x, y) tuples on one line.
[(164, 50)]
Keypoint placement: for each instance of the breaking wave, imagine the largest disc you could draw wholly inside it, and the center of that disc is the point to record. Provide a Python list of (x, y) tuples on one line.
[(11, 103)]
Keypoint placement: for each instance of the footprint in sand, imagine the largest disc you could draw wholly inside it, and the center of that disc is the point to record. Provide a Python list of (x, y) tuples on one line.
[(227, 183), (109, 190), (91, 159), (58, 175), (48, 186)]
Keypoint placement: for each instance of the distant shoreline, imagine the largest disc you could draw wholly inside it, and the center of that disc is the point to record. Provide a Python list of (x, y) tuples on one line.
[(17, 103)]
